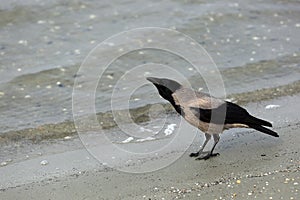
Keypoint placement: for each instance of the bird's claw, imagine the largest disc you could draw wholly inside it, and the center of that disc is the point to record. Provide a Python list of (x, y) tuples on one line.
[(208, 156), (194, 154)]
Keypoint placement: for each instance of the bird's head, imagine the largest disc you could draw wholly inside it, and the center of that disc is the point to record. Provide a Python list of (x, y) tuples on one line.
[(165, 87)]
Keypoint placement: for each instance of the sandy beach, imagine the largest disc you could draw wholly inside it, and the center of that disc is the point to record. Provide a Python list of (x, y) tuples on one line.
[(250, 165)]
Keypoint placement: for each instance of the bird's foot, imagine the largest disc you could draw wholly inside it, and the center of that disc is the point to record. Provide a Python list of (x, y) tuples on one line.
[(195, 154), (207, 156)]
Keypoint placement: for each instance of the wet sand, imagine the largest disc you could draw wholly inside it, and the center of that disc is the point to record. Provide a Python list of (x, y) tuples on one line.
[(44, 43), (251, 165)]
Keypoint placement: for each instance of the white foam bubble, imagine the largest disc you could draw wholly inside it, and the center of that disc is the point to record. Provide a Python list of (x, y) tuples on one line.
[(127, 140), (169, 130), (145, 139)]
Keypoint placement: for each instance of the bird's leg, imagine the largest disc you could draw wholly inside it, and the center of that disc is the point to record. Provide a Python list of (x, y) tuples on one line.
[(211, 154), (207, 136)]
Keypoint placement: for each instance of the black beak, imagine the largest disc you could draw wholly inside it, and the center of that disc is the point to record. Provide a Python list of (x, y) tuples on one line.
[(153, 80)]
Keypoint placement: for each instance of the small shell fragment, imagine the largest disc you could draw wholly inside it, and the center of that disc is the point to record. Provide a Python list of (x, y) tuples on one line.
[(272, 106)]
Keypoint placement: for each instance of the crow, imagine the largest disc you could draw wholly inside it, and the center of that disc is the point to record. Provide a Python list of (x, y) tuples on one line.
[(209, 114)]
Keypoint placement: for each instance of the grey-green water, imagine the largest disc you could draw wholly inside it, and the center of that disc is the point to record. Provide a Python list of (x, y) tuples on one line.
[(255, 44)]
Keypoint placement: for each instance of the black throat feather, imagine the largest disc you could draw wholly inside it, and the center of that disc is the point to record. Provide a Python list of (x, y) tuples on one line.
[(166, 93)]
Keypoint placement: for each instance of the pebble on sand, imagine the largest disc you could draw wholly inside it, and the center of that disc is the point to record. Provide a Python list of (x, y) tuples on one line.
[(44, 162), (271, 106)]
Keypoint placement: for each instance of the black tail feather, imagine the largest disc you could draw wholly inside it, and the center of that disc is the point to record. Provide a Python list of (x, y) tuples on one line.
[(263, 129), (255, 121)]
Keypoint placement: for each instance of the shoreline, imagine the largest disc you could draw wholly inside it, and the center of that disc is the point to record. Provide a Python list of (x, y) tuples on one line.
[(139, 115)]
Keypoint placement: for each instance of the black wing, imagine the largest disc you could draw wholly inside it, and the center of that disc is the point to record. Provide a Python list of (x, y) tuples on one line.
[(228, 113)]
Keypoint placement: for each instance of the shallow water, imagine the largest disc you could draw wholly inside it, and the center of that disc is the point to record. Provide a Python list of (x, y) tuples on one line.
[(43, 43)]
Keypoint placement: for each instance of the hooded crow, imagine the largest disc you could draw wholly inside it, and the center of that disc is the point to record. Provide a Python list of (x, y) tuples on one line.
[(209, 114)]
